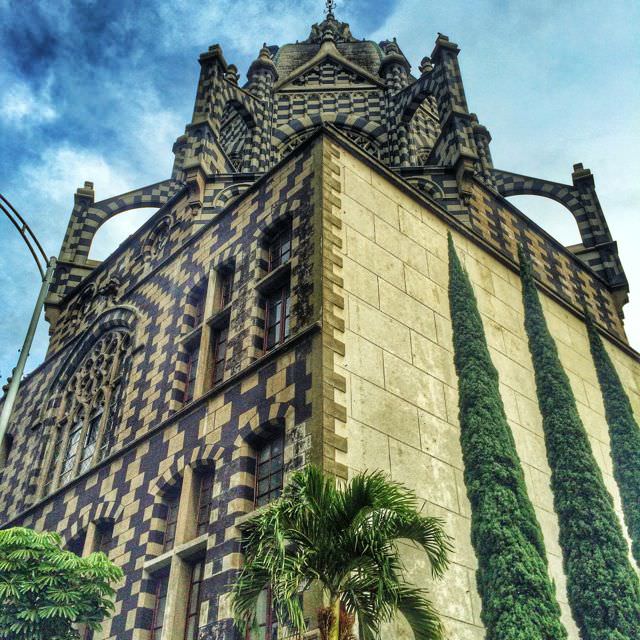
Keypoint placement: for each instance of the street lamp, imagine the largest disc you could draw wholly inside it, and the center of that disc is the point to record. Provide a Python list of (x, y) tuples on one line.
[(46, 267)]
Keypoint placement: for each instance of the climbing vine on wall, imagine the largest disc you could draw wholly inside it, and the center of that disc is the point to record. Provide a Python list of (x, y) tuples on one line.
[(518, 598), (603, 588), (624, 433)]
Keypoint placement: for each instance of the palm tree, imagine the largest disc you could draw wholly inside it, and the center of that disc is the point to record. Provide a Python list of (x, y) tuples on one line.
[(344, 538)]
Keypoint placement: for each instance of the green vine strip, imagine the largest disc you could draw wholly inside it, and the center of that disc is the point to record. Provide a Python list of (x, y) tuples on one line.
[(603, 588), (518, 598), (624, 433)]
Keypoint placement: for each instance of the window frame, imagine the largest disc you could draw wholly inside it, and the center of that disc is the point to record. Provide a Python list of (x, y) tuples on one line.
[(282, 296), (199, 562), (275, 438)]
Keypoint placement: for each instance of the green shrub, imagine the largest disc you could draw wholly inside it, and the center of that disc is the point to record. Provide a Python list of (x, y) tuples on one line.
[(624, 433), (45, 590), (518, 598), (603, 589)]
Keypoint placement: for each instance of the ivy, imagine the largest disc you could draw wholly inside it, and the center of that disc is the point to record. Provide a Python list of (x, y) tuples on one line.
[(603, 588), (518, 598), (624, 433)]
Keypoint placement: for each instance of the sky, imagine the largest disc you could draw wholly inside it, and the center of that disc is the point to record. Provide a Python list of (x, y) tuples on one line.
[(100, 89)]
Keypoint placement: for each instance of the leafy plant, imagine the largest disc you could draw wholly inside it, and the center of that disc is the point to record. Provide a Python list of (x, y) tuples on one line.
[(518, 598), (45, 590), (345, 539), (624, 433), (603, 588)]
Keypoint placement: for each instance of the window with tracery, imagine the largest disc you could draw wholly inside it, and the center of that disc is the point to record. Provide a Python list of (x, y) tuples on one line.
[(89, 411)]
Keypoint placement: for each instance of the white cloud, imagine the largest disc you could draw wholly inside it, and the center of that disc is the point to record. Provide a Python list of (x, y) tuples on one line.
[(21, 106)]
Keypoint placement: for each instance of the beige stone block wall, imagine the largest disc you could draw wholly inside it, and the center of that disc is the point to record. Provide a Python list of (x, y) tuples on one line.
[(401, 397)]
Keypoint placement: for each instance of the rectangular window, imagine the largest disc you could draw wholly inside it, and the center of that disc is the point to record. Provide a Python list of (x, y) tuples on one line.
[(266, 623), (226, 287), (194, 601), (279, 249), (162, 582), (204, 502), (192, 369), (270, 470), (277, 317), (219, 354), (105, 538), (172, 519), (198, 308)]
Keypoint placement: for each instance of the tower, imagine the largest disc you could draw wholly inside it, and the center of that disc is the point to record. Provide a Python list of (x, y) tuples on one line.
[(287, 304)]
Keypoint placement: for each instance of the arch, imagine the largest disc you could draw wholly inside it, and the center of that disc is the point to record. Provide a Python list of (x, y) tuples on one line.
[(267, 417), (107, 512), (550, 215), (201, 457), (359, 124), (121, 317), (427, 186), (224, 197), (409, 100), (116, 229)]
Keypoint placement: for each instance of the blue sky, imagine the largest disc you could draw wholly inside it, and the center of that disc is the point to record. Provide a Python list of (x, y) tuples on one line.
[(100, 90)]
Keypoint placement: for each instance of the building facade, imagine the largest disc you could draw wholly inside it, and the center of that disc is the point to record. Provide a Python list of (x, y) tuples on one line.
[(288, 304)]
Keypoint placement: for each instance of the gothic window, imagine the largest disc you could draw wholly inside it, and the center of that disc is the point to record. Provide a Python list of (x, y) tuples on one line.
[(89, 411), (270, 470), (279, 249)]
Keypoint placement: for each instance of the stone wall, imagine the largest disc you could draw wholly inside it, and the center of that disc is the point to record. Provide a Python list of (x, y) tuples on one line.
[(401, 395)]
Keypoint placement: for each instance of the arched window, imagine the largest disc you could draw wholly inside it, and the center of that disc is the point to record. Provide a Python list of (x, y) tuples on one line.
[(89, 411)]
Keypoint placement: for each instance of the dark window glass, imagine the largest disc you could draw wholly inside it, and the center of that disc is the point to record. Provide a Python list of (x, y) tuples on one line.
[(110, 427), (194, 601), (157, 621), (279, 249), (219, 353), (277, 312), (198, 308), (72, 447), (204, 502), (226, 288), (77, 544), (91, 436), (266, 627), (172, 518), (49, 480), (192, 369), (105, 538), (270, 470)]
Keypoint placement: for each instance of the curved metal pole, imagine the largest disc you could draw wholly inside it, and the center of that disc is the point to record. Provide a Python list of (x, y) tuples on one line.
[(46, 268)]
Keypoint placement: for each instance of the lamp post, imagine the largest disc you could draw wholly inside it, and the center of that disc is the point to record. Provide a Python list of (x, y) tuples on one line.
[(46, 267)]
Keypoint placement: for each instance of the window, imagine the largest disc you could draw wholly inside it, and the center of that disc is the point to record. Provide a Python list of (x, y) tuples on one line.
[(194, 601), (279, 249), (193, 352), (89, 411), (226, 287), (104, 535), (277, 317), (181, 561), (5, 450), (270, 470), (173, 503), (205, 496), (77, 544), (266, 622), (219, 353), (162, 583)]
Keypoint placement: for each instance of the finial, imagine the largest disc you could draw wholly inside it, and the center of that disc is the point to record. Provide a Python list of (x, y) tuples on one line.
[(330, 6)]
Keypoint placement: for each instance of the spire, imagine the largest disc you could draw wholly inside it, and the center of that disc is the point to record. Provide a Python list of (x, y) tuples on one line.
[(330, 6)]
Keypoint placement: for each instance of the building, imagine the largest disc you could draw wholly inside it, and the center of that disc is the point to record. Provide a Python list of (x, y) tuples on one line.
[(288, 303)]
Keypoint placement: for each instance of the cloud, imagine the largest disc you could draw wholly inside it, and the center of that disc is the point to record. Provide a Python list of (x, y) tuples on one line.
[(21, 106)]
